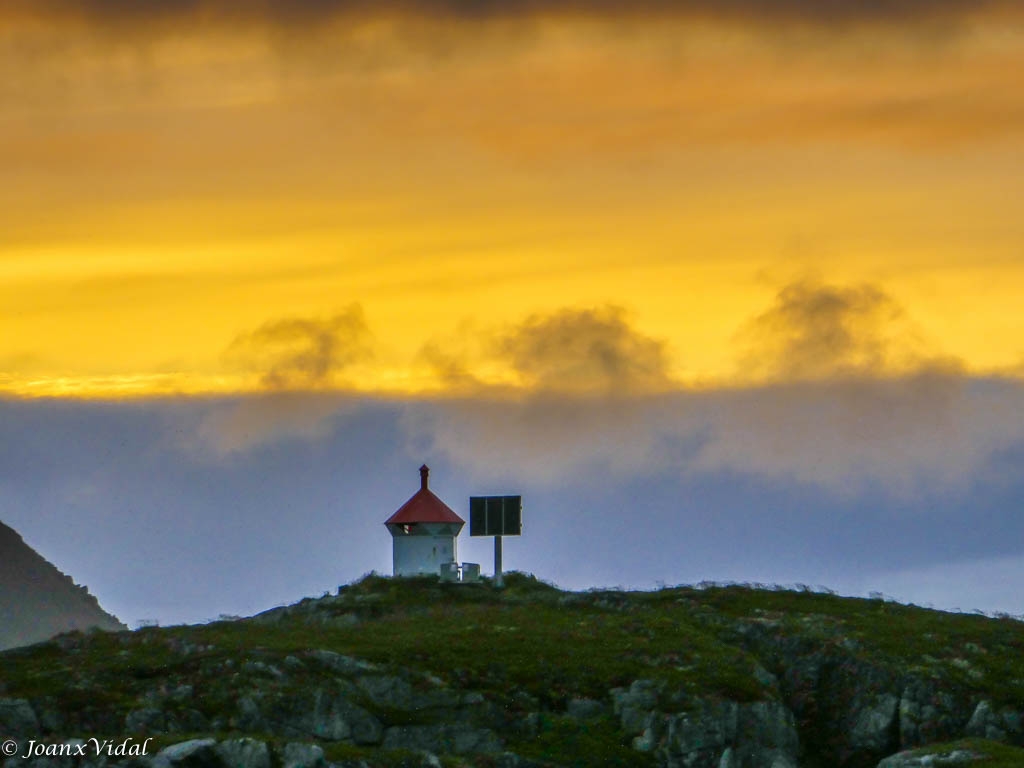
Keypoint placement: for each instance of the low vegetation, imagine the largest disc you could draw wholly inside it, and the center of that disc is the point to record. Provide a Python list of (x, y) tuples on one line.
[(527, 648)]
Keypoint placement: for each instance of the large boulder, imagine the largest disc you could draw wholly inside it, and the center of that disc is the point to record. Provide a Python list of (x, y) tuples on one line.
[(456, 739), (322, 713), (344, 665), (244, 753), (634, 705), (394, 692), (956, 758), (585, 709), (720, 734), (17, 719), (195, 753), (997, 724), (302, 756), (930, 714), (876, 727)]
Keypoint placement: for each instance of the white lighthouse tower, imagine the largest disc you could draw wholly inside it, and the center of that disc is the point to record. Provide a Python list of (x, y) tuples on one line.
[(423, 532)]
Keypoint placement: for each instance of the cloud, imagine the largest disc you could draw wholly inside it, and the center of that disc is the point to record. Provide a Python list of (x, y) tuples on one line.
[(544, 439), (584, 350), (314, 11), (923, 433), (299, 361), (580, 374), (836, 389), (243, 424), (450, 367), (907, 437), (818, 331), (296, 352)]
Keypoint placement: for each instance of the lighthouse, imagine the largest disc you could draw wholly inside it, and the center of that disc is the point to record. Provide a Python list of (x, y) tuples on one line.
[(423, 532)]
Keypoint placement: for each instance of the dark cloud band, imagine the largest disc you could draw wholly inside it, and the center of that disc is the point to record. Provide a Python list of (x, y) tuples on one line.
[(299, 11)]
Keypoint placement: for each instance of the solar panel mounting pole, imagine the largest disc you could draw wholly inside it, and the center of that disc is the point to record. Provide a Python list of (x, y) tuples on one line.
[(496, 516), (497, 562)]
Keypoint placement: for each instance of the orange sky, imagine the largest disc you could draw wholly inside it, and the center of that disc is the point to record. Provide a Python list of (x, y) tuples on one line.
[(188, 201)]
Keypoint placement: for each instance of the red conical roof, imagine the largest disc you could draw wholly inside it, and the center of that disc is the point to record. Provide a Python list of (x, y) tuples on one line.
[(424, 507)]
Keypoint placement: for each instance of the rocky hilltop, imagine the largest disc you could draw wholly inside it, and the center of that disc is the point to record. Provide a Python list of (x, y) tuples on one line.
[(37, 601), (411, 672)]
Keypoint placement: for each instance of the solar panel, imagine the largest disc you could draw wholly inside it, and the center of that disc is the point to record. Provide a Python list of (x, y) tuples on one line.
[(495, 515), (477, 516)]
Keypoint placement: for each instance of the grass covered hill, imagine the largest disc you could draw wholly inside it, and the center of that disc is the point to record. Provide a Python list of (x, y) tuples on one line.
[(412, 671)]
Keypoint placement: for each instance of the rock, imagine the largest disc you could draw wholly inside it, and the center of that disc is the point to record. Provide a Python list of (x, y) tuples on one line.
[(249, 717), (952, 759), (17, 719), (322, 714), (1013, 722), (145, 720), (764, 677), (396, 693), (876, 728), (387, 691), (181, 693), (261, 668), (195, 753), (983, 723), (928, 715), (326, 719), (244, 753), (187, 721), (366, 729), (987, 723), (585, 709), (632, 705), (725, 734), (453, 739), (345, 665), (302, 756), (51, 720), (654, 728), (530, 725), (512, 760)]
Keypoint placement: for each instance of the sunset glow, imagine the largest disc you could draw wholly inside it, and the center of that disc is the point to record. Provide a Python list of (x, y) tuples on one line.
[(174, 181)]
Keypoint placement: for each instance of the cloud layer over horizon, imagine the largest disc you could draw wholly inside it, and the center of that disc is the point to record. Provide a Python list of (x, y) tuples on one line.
[(133, 500)]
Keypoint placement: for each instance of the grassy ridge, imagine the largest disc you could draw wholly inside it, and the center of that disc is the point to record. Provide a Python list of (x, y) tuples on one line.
[(529, 648)]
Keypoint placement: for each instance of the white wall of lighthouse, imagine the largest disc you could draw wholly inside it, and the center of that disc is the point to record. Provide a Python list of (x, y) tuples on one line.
[(421, 548)]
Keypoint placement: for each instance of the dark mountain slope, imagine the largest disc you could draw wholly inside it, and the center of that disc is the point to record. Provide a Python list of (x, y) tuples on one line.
[(37, 601)]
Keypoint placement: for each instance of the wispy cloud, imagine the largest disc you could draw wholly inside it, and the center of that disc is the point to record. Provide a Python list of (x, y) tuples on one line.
[(298, 360), (585, 350), (303, 352), (572, 350), (908, 436), (817, 330), (835, 389)]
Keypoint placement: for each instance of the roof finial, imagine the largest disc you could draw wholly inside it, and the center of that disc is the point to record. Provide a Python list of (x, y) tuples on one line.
[(424, 471)]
